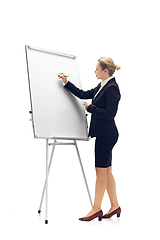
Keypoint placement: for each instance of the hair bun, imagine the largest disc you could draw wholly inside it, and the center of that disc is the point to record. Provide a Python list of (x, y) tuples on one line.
[(117, 67)]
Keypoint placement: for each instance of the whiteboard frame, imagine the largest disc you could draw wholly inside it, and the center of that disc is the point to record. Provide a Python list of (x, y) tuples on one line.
[(59, 54)]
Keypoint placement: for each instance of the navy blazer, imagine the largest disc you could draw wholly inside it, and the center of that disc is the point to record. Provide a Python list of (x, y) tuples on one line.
[(103, 108)]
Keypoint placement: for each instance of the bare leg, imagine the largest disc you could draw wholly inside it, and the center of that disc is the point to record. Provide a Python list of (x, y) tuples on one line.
[(111, 189), (99, 190)]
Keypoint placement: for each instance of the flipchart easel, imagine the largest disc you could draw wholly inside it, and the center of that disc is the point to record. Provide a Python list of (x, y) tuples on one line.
[(57, 139)]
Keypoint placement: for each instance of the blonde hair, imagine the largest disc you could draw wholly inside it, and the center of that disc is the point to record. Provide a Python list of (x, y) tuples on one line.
[(106, 62)]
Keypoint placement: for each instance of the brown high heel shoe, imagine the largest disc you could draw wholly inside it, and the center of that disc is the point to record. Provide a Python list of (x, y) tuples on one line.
[(117, 211), (95, 215)]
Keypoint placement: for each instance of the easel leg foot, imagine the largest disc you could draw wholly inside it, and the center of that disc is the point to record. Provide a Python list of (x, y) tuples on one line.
[(39, 211), (46, 221)]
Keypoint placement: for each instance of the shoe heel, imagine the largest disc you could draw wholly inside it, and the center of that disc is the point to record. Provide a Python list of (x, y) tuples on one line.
[(118, 214), (99, 218)]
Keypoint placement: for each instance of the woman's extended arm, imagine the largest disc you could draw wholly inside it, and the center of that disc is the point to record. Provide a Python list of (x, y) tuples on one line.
[(76, 91), (79, 92)]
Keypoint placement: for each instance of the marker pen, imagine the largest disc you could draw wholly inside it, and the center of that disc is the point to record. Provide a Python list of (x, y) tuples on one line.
[(63, 75)]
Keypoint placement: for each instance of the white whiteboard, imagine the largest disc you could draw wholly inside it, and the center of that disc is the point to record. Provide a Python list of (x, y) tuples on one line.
[(56, 113)]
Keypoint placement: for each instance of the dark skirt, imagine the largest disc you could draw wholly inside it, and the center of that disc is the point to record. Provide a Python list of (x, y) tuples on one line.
[(103, 150)]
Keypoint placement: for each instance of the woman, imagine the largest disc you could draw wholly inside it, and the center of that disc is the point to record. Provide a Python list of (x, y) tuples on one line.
[(105, 98)]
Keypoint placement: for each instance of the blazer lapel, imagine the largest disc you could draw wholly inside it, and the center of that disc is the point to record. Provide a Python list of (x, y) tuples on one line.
[(112, 79), (96, 90)]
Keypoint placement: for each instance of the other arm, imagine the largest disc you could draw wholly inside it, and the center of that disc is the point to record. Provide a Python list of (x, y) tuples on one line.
[(112, 100)]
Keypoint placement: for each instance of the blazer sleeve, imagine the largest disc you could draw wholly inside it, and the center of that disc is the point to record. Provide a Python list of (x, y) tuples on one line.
[(112, 100), (79, 92)]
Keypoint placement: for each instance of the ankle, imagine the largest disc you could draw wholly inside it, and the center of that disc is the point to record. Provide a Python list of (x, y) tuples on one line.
[(96, 208), (114, 206)]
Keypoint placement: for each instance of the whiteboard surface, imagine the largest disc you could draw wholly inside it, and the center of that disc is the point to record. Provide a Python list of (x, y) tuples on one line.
[(56, 113)]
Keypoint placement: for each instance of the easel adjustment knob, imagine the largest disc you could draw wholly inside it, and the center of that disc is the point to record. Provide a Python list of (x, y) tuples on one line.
[(30, 113), (31, 118)]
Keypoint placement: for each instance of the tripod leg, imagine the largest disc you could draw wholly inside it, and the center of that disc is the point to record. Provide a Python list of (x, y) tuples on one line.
[(46, 221), (83, 174), (44, 188)]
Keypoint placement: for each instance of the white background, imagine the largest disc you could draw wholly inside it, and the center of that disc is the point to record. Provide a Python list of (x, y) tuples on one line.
[(128, 32)]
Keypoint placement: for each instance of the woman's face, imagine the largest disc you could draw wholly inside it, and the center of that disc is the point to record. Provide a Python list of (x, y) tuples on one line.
[(99, 72)]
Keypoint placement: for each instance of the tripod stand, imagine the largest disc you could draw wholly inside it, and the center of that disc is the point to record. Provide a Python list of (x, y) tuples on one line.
[(48, 166)]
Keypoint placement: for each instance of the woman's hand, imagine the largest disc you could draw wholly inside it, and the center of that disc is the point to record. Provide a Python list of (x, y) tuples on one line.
[(86, 104), (63, 77)]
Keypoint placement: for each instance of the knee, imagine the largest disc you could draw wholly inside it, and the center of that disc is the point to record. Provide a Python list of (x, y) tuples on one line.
[(109, 170), (109, 173), (101, 172)]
